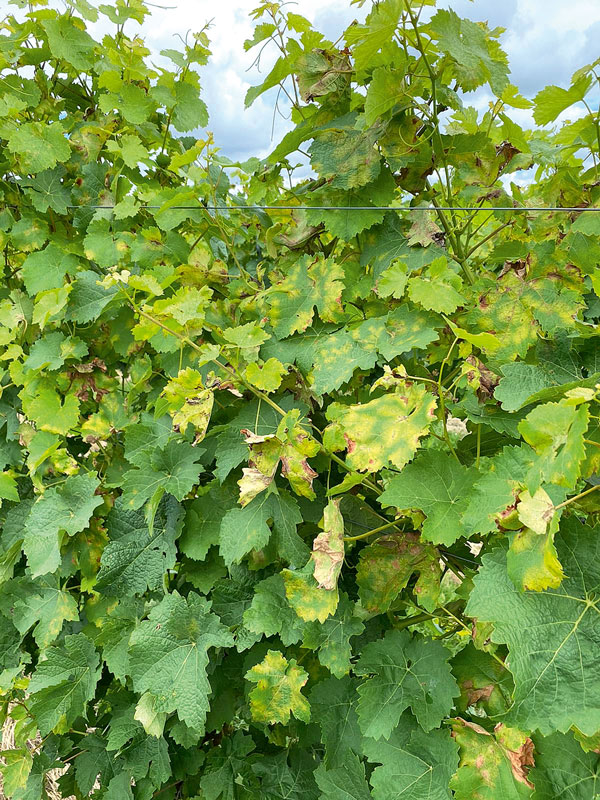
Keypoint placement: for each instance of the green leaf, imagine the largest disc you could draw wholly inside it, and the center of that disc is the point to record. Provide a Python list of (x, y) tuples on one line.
[(64, 682), (69, 42), (245, 529), (48, 191), (53, 350), (333, 703), (286, 518), (136, 559), (46, 269), (344, 783), (39, 146), (550, 635), (204, 516), (475, 58), (88, 298), (278, 691), (438, 485), (401, 672), (66, 508), (224, 765), (42, 604), (552, 100), (414, 765), (8, 487), (519, 382), (168, 655), (174, 470), (50, 411), (437, 288), (386, 91), (332, 638), (563, 770), (271, 614), (379, 27)]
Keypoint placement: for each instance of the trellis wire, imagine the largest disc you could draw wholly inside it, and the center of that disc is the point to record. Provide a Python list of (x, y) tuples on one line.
[(399, 209), (566, 209)]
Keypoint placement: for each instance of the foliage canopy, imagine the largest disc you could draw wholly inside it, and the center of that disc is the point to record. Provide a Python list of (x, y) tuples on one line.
[(297, 503)]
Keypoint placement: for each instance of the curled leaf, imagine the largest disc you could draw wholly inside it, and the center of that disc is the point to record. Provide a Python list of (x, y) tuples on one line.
[(328, 547)]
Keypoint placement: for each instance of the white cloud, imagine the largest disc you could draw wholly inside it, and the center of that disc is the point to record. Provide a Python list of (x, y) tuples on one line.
[(546, 40)]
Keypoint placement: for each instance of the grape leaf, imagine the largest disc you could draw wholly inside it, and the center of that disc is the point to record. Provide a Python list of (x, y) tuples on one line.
[(168, 655), (174, 469), (403, 672), (136, 559), (344, 783), (414, 765), (491, 765), (386, 565), (67, 507), (549, 634), (333, 702), (65, 682), (372, 433), (438, 485), (277, 694), (332, 638)]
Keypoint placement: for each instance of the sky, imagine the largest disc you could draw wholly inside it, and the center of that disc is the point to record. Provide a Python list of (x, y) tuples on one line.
[(546, 41)]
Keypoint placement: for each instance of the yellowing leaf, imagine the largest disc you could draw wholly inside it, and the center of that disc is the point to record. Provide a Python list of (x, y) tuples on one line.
[(189, 402), (536, 512), (385, 430), (278, 691), (290, 447), (266, 377), (532, 561), (307, 599)]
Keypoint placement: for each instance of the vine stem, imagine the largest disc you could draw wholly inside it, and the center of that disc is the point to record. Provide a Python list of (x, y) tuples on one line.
[(442, 400), (576, 497), (365, 535), (414, 620), (466, 628)]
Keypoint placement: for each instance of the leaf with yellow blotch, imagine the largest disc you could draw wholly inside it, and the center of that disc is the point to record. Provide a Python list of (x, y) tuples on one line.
[(532, 561), (383, 431), (278, 691), (304, 595), (290, 446), (189, 402), (310, 282), (492, 765), (536, 512)]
